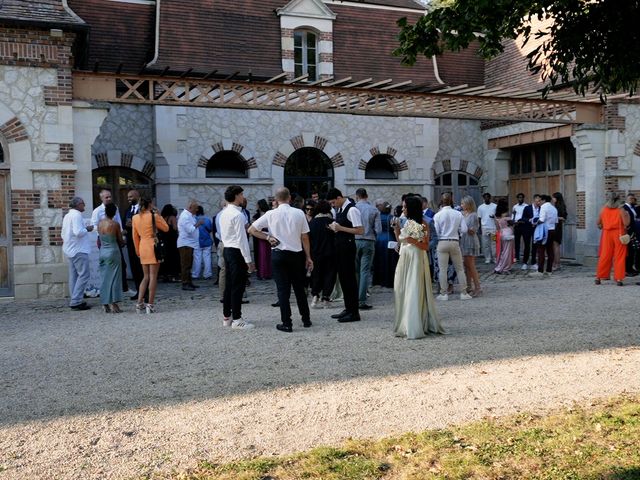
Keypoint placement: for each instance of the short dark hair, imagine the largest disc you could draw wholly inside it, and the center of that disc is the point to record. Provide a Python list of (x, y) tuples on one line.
[(200, 210), (486, 194), (110, 210), (322, 207), (361, 193), (333, 193), (231, 192), (520, 195)]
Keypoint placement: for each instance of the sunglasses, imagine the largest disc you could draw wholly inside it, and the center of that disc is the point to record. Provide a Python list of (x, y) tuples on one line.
[(308, 209)]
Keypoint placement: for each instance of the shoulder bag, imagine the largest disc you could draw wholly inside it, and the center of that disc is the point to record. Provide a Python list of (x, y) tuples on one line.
[(158, 243)]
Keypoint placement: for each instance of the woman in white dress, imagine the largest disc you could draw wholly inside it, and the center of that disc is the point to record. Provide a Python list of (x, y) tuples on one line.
[(415, 313)]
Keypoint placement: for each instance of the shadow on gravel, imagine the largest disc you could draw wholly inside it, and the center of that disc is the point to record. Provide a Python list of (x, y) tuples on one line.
[(54, 362)]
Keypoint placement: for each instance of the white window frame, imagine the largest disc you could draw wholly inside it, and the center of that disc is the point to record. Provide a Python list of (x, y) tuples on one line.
[(305, 54)]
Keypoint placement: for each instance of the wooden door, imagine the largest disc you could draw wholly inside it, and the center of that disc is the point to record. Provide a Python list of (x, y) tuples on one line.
[(569, 233), (6, 282)]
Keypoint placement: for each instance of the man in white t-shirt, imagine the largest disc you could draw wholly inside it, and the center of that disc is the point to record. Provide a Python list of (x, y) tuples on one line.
[(290, 255), (487, 215)]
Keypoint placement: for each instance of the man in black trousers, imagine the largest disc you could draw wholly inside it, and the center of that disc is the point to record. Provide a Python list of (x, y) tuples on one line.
[(347, 225), (133, 196), (290, 255)]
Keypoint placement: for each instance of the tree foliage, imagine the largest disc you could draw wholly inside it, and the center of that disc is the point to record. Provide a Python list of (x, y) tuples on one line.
[(590, 45)]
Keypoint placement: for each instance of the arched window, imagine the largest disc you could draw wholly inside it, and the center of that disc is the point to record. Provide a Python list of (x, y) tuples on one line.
[(225, 164), (381, 167), (305, 54), (308, 170)]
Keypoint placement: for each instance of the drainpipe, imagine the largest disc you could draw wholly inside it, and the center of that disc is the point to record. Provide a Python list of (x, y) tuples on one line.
[(435, 69), (157, 37)]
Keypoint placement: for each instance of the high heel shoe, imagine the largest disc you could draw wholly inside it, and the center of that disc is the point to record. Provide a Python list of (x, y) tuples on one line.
[(115, 308), (106, 308), (140, 308), (476, 293), (150, 308)]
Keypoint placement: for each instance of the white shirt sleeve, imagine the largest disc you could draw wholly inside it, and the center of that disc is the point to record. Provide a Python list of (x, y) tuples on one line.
[(241, 220), (77, 226), (94, 217), (186, 223), (354, 217)]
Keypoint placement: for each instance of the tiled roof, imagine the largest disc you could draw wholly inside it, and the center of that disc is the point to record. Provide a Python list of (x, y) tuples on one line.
[(41, 12), (394, 3)]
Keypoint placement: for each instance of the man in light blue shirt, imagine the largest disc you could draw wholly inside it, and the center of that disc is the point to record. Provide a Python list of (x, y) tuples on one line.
[(366, 244), (76, 247)]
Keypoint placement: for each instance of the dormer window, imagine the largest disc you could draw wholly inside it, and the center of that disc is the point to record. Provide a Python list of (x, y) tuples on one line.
[(305, 54)]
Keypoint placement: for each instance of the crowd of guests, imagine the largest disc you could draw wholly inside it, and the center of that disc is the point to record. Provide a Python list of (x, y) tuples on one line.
[(334, 247)]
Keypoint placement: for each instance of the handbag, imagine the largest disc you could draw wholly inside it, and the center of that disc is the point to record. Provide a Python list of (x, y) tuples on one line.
[(625, 239), (158, 243)]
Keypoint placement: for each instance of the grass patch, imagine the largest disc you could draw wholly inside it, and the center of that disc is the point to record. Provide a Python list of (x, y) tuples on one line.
[(597, 442)]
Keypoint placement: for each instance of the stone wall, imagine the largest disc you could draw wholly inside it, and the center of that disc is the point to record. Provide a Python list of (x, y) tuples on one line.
[(186, 136), (36, 123)]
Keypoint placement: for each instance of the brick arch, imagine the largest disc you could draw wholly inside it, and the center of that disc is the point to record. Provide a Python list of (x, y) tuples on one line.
[(13, 131), (636, 150), (117, 158), (305, 140), (399, 163), (245, 153), (466, 166)]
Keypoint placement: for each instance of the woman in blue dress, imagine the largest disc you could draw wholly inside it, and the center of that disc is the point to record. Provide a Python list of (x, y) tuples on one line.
[(110, 236)]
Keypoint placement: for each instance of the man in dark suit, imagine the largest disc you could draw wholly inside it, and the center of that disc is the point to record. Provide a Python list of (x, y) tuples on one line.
[(347, 224), (525, 227), (133, 196)]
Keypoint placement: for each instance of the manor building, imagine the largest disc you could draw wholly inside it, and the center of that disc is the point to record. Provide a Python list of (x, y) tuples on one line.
[(179, 100)]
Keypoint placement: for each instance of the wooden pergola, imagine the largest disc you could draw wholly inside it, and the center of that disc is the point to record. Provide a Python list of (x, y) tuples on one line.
[(363, 97)]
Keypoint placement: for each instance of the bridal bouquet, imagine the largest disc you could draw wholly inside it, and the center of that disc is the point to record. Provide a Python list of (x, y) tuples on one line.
[(412, 229)]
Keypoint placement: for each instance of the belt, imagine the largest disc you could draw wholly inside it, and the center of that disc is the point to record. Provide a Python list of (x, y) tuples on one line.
[(448, 240)]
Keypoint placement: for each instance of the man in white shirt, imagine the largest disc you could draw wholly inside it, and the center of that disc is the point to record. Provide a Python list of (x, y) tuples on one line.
[(449, 225), (290, 255), (521, 229), (237, 258), (487, 215), (348, 224), (188, 241), (76, 246), (548, 217)]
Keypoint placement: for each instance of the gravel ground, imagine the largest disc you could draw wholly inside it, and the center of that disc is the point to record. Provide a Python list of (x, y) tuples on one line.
[(91, 395)]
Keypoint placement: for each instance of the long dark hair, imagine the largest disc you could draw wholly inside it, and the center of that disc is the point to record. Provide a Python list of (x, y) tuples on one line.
[(168, 210), (414, 209), (560, 205)]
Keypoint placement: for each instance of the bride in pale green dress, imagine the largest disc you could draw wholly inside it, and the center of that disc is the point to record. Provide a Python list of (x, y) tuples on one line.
[(415, 312), (110, 236)]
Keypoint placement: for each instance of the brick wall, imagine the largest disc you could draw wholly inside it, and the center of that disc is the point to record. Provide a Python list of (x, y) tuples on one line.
[(37, 48), (612, 119), (13, 131), (25, 232)]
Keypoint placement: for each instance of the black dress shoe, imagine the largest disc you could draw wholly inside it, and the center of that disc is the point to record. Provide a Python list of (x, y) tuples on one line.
[(188, 287), (244, 302), (194, 285), (343, 313), (277, 304), (81, 306), (306, 324), (284, 328), (364, 306), (134, 297), (351, 317)]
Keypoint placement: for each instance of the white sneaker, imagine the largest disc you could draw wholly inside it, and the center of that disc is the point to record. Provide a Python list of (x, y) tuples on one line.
[(226, 321), (242, 325), (524, 267), (444, 297), (487, 262), (325, 304), (315, 302), (465, 296)]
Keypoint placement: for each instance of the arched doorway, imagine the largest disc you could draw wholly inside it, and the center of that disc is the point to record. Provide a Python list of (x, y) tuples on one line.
[(120, 180), (308, 169), (459, 183), (6, 282)]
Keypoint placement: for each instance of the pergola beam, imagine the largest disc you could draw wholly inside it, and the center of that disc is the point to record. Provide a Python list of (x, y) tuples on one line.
[(329, 98)]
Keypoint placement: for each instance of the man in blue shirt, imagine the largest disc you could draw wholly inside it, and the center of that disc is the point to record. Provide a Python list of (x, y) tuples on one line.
[(203, 253)]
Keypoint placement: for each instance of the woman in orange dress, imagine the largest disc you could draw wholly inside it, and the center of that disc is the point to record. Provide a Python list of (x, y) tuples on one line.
[(143, 240), (613, 221)]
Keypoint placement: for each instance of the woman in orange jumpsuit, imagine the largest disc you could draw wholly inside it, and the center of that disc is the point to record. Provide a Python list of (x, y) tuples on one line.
[(613, 221), (144, 240)]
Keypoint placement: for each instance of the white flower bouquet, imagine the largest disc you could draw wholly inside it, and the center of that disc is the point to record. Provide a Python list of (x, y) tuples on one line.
[(412, 229)]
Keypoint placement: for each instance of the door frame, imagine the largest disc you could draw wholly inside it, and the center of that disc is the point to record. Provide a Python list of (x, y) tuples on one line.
[(5, 177)]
